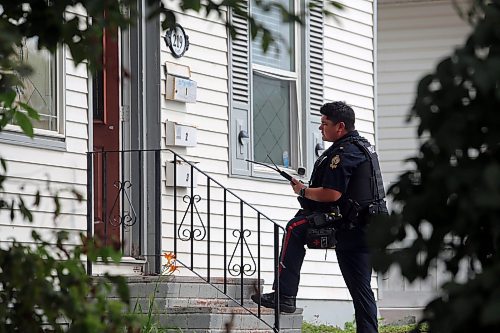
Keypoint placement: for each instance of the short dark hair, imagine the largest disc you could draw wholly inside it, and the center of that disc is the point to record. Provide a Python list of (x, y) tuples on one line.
[(339, 111)]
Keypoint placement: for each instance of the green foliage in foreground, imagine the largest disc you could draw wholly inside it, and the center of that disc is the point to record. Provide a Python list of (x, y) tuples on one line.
[(447, 208), (45, 288), (349, 328)]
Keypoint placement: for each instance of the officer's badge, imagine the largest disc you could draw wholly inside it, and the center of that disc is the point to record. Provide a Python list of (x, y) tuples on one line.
[(335, 161)]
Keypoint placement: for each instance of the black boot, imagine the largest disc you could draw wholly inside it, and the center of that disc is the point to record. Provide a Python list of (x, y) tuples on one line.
[(287, 303)]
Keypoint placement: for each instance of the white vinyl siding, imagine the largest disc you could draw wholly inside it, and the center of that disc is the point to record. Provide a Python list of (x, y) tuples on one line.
[(31, 167), (347, 68), (412, 38), (348, 76), (207, 60), (348, 62)]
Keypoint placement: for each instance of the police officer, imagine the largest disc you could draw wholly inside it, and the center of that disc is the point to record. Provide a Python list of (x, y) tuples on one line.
[(346, 175)]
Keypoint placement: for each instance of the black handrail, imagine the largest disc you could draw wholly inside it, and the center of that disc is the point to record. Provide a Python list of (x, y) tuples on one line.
[(115, 200), (190, 233), (194, 167)]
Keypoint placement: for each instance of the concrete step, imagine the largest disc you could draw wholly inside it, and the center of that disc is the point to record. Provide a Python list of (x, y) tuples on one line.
[(228, 330), (190, 287), (127, 266), (163, 304), (207, 319), (189, 304)]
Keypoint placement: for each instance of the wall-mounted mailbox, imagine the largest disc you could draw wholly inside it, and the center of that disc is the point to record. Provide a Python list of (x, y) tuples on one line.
[(178, 85), (180, 135), (183, 175), (180, 89)]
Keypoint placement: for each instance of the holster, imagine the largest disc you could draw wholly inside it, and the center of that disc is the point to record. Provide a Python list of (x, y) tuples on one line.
[(352, 211), (321, 231), (322, 238), (377, 208), (322, 220)]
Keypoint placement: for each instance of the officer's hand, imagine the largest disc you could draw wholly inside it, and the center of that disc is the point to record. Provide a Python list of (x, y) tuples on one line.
[(296, 185)]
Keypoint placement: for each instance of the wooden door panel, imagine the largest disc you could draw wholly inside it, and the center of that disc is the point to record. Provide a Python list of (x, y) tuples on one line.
[(107, 139)]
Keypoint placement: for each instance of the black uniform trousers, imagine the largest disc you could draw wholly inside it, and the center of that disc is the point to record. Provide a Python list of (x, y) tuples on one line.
[(355, 267)]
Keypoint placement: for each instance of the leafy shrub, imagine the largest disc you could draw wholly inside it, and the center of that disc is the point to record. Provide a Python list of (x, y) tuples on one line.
[(349, 328), (45, 288)]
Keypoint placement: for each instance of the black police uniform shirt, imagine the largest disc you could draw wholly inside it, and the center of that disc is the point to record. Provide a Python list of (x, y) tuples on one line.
[(333, 170)]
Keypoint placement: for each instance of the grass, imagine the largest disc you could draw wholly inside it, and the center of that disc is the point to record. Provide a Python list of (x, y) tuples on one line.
[(350, 328)]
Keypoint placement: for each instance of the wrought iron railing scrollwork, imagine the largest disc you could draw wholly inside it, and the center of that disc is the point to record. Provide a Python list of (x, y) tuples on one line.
[(202, 234), (237, 269), (194, 228), (115, 197), (187, 233), (125, 217)]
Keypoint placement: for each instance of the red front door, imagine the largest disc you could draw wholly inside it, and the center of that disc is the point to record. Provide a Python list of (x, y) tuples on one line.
[(106, 103)]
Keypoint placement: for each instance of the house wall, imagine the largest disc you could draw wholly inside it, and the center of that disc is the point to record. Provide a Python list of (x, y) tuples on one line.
[(50, 165), (348, 76), (412, 38)]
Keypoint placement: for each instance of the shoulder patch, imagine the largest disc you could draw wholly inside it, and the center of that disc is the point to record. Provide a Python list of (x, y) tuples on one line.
[(335, 161)]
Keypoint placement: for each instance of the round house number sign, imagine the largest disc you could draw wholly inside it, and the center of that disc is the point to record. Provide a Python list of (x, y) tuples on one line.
[(177, 40)]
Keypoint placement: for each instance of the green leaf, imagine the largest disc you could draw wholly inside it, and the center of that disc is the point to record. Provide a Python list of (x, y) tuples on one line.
[(91, 250), (36, 236), (3, 163), (8, 98), (32, 113), (24, 210), (254, 29), (489, 315), (267, 40), (77, 195), (24, 122), (62, 236), (121, 287), (169, 21), (37, 199), (57, 203), (191, 4), (12, 213), (116, 256)]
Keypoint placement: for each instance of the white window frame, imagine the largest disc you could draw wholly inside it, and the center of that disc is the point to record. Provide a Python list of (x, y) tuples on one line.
[(309, 92), (59, 104), (295, 78)]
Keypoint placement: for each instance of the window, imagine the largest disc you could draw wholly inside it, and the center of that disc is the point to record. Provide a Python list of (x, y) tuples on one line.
[(271, 93), (39, 89), (271, 119), (274, 81), (283, 56)]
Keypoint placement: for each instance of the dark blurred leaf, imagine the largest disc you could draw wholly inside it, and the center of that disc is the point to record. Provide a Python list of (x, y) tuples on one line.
[(32, 113), (7, 98), (25, 212), (12, 213), (3, 164), (121, 287), (36, 236), (490, 313), (191, 5), (37, 199), (28, 280), (169, 21), (77, 195), (23, 121), (57, 203)]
